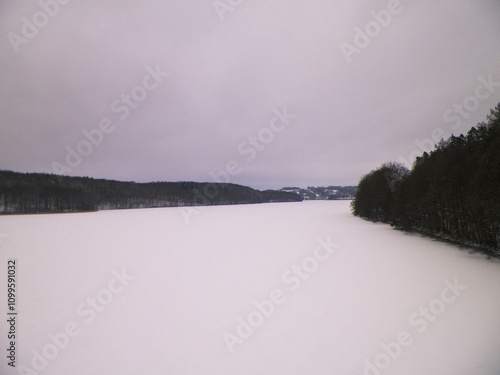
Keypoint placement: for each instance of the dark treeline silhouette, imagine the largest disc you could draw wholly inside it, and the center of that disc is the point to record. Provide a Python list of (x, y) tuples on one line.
[(452, 192), (44, 193)]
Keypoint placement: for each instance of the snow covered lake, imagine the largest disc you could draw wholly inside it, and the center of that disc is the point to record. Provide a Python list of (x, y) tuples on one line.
[(279, 289)]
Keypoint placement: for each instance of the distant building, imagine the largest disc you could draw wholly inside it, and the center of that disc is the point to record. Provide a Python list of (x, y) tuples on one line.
[(323, 193)]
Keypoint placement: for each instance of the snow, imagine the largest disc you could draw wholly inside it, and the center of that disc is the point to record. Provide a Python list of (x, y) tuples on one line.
[(170, 293)]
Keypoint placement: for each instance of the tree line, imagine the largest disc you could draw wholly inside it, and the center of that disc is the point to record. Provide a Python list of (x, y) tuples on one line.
[(48, 193), (452, 192)]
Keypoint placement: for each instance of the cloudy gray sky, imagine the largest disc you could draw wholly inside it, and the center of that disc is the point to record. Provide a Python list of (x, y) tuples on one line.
[(352, 102)]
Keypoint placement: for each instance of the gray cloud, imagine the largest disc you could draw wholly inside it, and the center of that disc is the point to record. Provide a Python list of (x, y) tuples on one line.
[(227, 77)]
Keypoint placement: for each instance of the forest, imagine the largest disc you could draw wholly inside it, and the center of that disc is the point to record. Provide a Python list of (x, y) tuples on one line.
[(451, 192), (48, 193)]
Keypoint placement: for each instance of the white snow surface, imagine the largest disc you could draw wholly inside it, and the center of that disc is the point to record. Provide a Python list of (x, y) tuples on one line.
[(192, 281)]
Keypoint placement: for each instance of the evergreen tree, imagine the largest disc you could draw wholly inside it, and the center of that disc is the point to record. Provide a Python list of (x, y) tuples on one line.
[(452, 192)]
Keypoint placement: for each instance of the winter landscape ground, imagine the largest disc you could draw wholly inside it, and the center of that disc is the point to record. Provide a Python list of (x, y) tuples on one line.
[(283, 288)]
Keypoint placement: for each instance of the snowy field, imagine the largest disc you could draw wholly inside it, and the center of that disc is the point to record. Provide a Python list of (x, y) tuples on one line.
[(278, 289)]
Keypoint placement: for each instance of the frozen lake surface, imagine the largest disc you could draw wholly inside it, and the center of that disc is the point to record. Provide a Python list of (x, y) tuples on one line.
[(278, 289)]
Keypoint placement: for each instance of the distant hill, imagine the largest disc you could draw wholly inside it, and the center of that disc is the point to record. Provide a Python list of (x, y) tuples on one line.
[(323, 193), (47, 193)]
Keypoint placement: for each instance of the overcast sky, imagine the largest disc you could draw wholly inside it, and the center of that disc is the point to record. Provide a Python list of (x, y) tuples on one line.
[(349, 107)]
